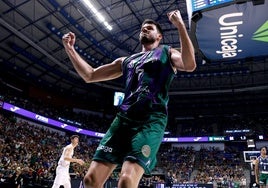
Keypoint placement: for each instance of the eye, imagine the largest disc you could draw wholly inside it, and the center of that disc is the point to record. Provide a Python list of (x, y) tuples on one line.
[(150, 28)]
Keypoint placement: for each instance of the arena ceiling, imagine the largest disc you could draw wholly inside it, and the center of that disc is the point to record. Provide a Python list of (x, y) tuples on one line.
[(31, 51)]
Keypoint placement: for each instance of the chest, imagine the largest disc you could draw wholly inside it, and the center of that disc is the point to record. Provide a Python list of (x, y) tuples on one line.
[(151, 62)]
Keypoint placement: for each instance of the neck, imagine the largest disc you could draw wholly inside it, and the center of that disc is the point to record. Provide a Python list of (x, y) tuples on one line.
[(74, 145), (148, 47)]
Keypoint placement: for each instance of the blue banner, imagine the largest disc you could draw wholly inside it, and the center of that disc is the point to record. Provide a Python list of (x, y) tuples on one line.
[(236, 31)]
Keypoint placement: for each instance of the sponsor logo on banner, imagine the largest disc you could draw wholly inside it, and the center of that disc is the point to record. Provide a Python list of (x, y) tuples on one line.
[(229, 35), (216, 138), (14, 109), (78, 130), (262, 33), (99, 134), (235, 31), (170, 139), (41, 118), (197, 139), (64, 125)]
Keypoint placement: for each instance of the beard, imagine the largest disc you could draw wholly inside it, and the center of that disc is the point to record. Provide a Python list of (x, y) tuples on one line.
[(146, 40)]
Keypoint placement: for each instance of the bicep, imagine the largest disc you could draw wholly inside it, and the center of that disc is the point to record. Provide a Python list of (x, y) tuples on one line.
[(107, 72), (68, 152), (186, 63), (176, 59), (257, 164)]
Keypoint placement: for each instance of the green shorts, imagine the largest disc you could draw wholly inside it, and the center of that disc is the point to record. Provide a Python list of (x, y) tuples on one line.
[(263, 179), (132, 140)]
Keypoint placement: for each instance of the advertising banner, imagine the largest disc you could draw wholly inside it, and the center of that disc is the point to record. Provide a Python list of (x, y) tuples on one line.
[(236, 31)]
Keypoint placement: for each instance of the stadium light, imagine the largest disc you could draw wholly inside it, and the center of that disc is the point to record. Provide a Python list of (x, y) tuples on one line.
[(99, 16)]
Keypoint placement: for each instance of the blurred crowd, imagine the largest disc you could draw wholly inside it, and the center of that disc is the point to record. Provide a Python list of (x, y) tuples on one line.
[(222, 168), (29, 155)]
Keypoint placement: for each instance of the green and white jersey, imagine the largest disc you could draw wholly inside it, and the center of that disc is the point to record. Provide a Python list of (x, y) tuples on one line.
[(148, 76)]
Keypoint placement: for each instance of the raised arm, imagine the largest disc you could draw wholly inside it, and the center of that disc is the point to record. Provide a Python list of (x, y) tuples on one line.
[(87, 72), (185, 59)]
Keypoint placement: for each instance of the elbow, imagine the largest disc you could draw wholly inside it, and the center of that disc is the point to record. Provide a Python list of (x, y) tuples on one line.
[(87, 75), (191, 67), (87, 78), (66, 159)]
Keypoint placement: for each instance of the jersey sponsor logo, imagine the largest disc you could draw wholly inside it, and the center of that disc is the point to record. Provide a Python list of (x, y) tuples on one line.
[(146, 150), (148, 162), (105, 148)]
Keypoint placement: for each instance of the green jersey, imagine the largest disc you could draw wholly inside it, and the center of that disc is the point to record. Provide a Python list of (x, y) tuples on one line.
[(148, 76), (138, 129)]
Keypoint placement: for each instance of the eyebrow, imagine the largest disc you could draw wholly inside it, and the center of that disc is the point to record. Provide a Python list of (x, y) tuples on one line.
[(147, 25)]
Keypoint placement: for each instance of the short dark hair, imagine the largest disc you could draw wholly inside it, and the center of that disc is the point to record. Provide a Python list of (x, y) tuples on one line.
[(263, 147), (150, 21), (74, 136)]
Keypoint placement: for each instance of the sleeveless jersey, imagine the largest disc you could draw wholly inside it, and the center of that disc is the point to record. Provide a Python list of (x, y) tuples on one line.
[(148, 76), (263, 163), (63, 162)]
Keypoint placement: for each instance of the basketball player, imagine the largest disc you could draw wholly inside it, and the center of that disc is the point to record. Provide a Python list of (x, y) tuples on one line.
[(136, 133), (261, 168), (62, 171)]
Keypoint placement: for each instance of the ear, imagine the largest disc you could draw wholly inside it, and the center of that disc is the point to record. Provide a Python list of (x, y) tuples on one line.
[(159, 37)]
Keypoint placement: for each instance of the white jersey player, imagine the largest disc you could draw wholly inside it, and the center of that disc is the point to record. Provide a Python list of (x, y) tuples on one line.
[(62, 171)]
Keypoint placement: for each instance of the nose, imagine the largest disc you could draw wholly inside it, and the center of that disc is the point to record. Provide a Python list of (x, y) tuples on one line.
[(144, 29)]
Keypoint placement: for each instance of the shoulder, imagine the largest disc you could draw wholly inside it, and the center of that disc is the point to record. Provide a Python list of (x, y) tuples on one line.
[(69, 147), (175, 55), (118, 62), (175, 58), (164, 47), (174, 50)]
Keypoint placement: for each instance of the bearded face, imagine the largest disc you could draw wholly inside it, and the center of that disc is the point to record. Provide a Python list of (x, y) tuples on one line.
[(148, 34), (146, 39)]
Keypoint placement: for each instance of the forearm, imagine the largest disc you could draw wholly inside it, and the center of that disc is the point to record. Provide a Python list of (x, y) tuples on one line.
[(256, 171), (80, 65), (73, 160), (257, 177), (187, 49)]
